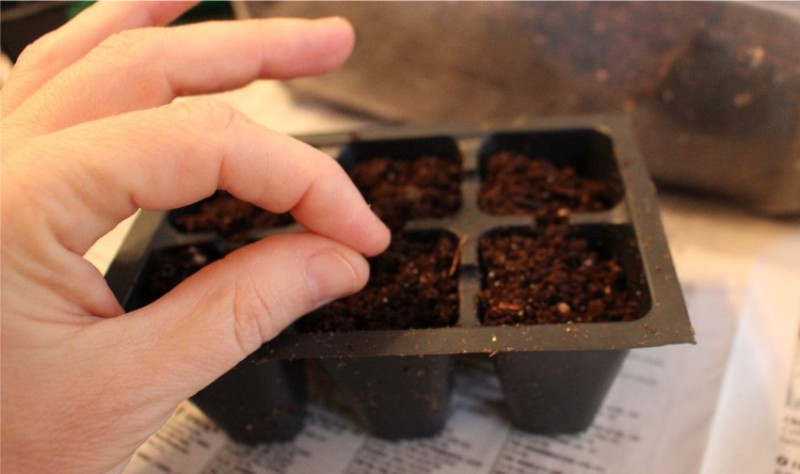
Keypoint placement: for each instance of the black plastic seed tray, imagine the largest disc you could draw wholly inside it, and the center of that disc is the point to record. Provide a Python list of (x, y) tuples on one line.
[(563, 330)]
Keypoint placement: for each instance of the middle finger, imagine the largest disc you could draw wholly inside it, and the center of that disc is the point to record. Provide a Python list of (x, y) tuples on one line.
[(145, 68)]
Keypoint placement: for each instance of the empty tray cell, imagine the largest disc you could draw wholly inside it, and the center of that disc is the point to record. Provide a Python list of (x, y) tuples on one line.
[(227, 216), (166, 268), (407, 179), (413, 285), (549, 174), (561, 274), (396, 397)]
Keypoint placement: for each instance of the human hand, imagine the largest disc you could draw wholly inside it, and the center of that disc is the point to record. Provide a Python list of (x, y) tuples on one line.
[(89, 135)]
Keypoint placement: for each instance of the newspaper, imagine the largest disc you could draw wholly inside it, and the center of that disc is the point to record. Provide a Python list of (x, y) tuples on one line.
[(757, 427)]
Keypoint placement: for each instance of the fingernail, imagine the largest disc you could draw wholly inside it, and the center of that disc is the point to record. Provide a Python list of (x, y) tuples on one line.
[(330, 275), (331, 19), (380, 230)]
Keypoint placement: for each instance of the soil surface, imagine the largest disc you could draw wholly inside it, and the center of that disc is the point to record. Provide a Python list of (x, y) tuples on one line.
[(555, 277), (229, 217), (514, 183), (400, 190), (411, 286)]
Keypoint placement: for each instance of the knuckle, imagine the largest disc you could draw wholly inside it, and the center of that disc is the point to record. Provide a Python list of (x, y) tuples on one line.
[(127, 48), (37, 51), (254, 314), (223, 117), (212, 126), (214, 116)]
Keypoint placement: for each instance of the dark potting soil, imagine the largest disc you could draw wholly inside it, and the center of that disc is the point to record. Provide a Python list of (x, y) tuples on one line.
[(412, 285), (555, 277), (229, 217), (552, 277), (400, 190), (170, 267), (514, 183)]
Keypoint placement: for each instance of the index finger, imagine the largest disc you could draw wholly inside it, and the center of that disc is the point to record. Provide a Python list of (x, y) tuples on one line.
[(175, 155)]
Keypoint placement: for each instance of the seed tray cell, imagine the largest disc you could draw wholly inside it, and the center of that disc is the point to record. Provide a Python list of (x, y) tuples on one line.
[(536, 243), (226, 216)]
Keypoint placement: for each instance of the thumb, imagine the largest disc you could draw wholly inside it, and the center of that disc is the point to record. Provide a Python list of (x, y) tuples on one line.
[(214, 319)]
